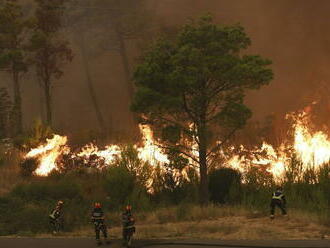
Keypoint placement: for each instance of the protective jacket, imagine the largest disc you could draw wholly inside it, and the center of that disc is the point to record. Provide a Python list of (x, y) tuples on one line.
[(56, 213), (279, 196), (128, 220), (97, 215)]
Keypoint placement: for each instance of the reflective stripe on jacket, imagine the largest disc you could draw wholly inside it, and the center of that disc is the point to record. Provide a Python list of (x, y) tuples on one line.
[(278, 195)]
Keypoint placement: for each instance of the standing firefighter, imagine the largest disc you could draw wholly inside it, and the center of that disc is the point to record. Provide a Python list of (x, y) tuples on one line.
[(278, 199), (99, 223), (56, 218), (128, 226)]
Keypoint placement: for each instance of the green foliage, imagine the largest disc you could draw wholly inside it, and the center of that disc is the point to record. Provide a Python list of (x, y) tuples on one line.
[(14, 55), (225, 186), (119, 184), (192, 88), (44, 190), (13, 29)]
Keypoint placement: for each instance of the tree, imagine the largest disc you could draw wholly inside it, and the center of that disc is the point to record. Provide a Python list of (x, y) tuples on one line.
[(191, 90), (14, 56), (5, 110), (81, 21), (50, 53), (126, 20)]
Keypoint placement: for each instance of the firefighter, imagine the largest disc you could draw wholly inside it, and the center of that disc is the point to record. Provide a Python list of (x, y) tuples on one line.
[(278, 200), (56, 218), (128, 225), (99, 223)]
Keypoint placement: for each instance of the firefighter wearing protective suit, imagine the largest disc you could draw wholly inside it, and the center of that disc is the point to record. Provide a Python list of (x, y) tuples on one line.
[(278, 200), (128, 223), (99, 223), (56, 218)]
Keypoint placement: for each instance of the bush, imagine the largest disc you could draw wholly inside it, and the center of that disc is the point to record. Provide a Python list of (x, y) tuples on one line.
[(119, 184), (28, 166), (224, 183), (47, 190)]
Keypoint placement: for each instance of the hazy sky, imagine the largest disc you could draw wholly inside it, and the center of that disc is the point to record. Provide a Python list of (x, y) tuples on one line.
[(294, 34)]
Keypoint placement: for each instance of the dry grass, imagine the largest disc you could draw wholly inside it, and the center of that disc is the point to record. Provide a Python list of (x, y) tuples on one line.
[(226, 223), (10, 174)]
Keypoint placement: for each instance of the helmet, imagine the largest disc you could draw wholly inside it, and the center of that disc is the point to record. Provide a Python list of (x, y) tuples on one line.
[(60, 203), (279, 188), (97, 205), (128, 207)]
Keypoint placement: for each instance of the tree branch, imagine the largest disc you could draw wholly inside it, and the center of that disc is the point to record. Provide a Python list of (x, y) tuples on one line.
[(180, 151), (222, 142), (186, 108)]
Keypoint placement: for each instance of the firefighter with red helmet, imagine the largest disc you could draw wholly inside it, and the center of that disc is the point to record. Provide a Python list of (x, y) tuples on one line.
[(128, 223), (99, 223)]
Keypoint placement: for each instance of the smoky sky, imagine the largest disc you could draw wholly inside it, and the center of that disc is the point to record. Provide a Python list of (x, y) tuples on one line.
[(294, 34)]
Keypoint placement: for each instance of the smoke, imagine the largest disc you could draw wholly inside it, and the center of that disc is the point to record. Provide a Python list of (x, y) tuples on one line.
[(293, 34)]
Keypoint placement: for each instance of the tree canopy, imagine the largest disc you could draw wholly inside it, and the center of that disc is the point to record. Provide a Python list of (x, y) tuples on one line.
[(192, 88)]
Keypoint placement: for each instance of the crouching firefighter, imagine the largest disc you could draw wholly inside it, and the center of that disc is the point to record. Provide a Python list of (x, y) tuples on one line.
[(56, 218), (99, 223), (278, 200), (128, 223)]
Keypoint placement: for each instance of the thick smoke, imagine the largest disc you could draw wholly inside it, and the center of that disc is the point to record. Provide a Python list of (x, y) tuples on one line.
[(293, 34)]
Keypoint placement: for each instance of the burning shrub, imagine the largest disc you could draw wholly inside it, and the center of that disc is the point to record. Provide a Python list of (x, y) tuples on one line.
[(28, 166)]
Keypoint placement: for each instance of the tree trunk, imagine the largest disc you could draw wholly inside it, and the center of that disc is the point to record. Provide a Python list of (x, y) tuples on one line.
[(17, 105), (90, 85), (203, 187), (124, 57), (48, 100), (127, 75)]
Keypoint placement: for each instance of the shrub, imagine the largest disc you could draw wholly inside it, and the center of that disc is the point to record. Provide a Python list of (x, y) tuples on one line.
[(47, 190), (119, 184), (28, 166), (223, 183)]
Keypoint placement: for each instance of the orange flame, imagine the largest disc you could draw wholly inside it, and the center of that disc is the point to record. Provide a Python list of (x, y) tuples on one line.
[(311, 148), (47, 154)]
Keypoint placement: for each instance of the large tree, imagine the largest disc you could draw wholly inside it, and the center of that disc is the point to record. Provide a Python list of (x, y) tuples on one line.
[(14, 28), (50, 52), (192, 89), (5, 110)]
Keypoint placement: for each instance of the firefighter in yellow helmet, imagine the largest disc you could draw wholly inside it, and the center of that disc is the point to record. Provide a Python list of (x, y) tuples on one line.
[(278, 200)]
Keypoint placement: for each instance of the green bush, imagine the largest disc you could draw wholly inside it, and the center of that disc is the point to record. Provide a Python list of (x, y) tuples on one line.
[(47, 190), (224, 183), (119, 184)]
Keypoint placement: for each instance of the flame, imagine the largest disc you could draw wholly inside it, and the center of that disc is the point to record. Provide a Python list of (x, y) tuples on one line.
[(47, 154), (312, 149)]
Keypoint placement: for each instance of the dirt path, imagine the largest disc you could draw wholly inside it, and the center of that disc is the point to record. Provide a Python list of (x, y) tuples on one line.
[(89, 243)]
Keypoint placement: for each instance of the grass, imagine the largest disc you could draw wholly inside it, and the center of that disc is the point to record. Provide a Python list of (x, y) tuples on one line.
[(10, 174), (214, 222)]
